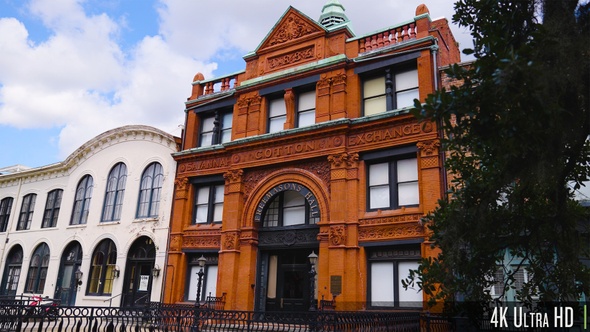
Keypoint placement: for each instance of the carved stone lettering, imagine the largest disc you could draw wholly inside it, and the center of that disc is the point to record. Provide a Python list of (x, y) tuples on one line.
[(386, 134), (314, 210)]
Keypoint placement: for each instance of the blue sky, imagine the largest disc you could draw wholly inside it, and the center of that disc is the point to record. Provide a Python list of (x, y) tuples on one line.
[(72, 69)]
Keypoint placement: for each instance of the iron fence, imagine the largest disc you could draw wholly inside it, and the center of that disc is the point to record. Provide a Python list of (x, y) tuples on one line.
[(16, 316)]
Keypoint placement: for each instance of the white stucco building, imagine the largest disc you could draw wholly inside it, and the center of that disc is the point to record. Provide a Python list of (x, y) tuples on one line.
[(91, 230)]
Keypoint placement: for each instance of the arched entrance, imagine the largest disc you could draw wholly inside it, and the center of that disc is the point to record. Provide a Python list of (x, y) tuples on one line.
[(287, 215), (12, 271), (137, 284), (71, 259)]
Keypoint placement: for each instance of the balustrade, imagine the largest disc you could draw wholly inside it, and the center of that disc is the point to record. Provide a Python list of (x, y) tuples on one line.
[(387, 37)]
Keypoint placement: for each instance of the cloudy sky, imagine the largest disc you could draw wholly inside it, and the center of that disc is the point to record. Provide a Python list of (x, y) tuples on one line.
[(72, 69)]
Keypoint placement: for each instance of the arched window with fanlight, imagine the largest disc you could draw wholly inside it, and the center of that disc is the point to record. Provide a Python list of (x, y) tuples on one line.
[(113, 198), (289, 208), (38, 269), (12, 271), (104, 259), (82, 201), (149, 191)]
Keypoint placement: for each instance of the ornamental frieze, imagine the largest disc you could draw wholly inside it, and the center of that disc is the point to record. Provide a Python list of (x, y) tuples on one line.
[(404, 218), (230, 241), (292, 58), (201, 242), (288, 238), (390, 232)]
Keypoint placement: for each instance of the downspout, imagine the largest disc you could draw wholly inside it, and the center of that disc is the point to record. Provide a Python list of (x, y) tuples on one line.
[(442, 157)]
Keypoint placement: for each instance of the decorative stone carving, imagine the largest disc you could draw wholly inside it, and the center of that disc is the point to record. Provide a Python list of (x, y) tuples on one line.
[(181, 188), (293, 27), (233, 175), (201, 242), (337, 235), (390, 232), (230, 241), (405, 218), (428, 148), (288, 237), (291, 58), (343, 159)]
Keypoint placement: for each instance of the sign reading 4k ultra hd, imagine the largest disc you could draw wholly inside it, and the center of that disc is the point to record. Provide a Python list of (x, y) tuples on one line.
[(518, 317)]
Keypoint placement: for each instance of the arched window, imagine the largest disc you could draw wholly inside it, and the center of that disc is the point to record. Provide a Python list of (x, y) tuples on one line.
[(150, 191), (113, 198), (82, 201), (38, 269), (5, 207), (12, 271), (52, 206), (288, 208), (26, 212), (104, 259)]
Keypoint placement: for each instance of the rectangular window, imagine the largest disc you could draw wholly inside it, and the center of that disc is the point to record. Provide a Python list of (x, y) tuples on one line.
[(52, 206), (277, 115), (306, 109), (394, 89), (388, 267), (26, 212), (5, 207), (208, 204), (387, 289), (208, 282), (393, 184), (216, 127)]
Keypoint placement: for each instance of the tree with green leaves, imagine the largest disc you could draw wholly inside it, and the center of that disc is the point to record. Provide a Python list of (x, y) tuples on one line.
[(516, 143)]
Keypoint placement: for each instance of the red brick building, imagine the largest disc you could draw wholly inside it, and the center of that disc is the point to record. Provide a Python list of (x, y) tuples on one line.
[(311, 149)]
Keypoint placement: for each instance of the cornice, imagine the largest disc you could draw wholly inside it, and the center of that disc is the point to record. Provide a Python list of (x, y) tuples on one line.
[(89, 149)]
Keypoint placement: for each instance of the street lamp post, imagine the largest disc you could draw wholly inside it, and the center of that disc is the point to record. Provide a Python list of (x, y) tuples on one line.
[(313, 259), (201, 273)]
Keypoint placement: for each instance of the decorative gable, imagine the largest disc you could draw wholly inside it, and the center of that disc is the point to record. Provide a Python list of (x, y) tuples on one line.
[(293, 27)]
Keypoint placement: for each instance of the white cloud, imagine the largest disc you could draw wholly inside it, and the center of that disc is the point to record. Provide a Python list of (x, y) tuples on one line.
[(83, 80)]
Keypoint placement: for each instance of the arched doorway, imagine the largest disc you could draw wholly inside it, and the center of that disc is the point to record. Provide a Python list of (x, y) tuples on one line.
[(12, 271), (288, 215), (137, 284), (66, 288)]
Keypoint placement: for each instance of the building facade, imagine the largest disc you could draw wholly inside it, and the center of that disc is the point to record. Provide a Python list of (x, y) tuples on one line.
[(311, 149), (91, 230)]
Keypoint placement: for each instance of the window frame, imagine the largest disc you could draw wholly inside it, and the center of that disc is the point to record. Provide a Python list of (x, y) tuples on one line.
[(395, 64), (222, 123), (192, 278), (154, 174), (37, 274), (269, 118), (395, 255), (298, 111), (12, 271), (280, 222), (212, 182), (82, 199), (52, 207), (391, 157), (114, 193), (27, 208), (105, 276), (5, 210)]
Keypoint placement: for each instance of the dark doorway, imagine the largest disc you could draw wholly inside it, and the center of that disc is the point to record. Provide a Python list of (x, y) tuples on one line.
[(137, 285), (286, 280), (66, 289)]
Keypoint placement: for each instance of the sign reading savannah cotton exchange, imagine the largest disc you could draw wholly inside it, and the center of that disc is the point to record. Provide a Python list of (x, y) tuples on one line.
[(301, 148)]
